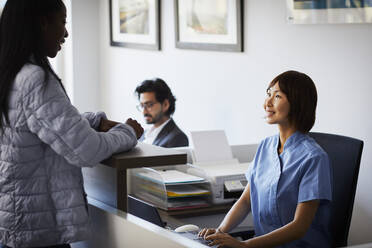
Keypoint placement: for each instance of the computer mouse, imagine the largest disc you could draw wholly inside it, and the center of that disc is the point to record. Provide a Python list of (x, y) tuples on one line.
[(187, 228)]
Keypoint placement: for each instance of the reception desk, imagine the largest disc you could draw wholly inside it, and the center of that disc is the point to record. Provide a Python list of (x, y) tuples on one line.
[(106, 186), (113, 228), (107, 182)]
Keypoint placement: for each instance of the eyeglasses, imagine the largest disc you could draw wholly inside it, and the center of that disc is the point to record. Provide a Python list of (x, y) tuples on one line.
[(148, 106)]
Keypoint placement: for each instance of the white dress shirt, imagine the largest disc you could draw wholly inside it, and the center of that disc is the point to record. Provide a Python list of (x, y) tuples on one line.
[(152, 133)]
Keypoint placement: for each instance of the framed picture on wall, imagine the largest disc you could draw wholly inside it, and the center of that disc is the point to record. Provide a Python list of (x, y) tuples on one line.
[(209, 24), (329, 11), (135, 23)]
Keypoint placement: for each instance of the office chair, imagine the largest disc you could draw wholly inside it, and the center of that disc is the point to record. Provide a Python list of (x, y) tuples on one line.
[(345, 154)]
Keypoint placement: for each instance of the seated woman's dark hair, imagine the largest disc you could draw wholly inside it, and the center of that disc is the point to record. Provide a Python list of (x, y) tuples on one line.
[(302, 96), (161, 90), (20, 38)]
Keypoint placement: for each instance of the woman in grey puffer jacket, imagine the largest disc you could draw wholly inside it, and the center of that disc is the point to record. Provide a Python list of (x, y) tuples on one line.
[(44, 141)]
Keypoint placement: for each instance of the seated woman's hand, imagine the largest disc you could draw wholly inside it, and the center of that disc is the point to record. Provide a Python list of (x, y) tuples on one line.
[(206, 231), (221, 239)]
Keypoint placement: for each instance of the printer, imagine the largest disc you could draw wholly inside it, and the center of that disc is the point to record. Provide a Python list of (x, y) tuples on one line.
[(213, 160)]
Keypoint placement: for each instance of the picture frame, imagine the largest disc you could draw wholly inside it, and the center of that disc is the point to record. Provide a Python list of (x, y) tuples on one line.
[(209, 25), (329, 11), (135, 24)]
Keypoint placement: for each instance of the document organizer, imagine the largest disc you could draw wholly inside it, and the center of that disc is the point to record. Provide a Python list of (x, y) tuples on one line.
[(170, 188)]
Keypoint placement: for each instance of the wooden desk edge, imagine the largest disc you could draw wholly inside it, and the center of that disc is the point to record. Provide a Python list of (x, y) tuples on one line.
[(144, 155)]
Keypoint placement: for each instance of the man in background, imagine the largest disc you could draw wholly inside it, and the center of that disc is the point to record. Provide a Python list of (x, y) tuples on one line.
[(157, 103)]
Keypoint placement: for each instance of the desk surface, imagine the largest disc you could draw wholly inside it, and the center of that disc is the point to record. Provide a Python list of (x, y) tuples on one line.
[(146, 155), (203, 217), (114, 228)]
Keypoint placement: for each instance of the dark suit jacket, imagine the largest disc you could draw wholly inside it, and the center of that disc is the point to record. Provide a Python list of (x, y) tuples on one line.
[(171, 136)]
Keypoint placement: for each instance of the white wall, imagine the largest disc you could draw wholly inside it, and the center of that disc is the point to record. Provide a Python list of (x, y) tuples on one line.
[(219, 90), (85, 46)]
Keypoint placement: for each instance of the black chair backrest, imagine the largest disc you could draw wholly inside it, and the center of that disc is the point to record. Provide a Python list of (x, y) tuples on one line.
[(345, 154)]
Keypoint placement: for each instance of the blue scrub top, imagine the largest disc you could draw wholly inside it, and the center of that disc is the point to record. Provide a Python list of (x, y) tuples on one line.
[(278, 183)]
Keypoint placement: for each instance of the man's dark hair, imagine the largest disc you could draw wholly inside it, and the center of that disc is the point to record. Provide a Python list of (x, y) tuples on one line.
[(302, 96), (161, 90), (21, 38)]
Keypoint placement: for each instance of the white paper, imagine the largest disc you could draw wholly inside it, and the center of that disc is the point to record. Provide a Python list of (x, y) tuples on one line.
[(210, 146), (171, 177)]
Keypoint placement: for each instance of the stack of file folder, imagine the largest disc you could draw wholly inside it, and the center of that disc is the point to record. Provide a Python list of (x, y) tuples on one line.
[(170, 189)]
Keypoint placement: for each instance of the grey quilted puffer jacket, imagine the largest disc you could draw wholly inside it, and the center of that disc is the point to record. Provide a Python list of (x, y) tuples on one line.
[(42, 151)]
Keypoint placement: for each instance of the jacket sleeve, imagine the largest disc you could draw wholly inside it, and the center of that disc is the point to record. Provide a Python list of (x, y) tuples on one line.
[(94, 118), (57, 123)]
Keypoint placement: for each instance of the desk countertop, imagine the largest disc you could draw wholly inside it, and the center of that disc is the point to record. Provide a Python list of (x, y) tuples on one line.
[(146, 155), (203, 217)]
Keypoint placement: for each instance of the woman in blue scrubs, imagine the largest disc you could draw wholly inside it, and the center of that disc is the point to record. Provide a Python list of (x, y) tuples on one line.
[(289, 182)]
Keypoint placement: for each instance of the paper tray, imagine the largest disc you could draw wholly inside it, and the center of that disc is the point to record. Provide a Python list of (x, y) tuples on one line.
[(170, 193)]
